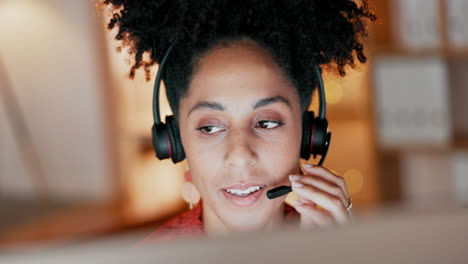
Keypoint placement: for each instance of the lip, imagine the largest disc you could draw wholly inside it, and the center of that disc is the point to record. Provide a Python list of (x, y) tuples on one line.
[(245, 201), (243, 187)]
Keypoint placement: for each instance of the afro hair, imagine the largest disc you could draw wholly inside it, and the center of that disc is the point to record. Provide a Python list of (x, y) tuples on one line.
[(297, 33)]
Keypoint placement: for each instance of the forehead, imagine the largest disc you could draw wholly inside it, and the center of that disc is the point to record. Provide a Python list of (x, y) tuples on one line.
[(236, 73)]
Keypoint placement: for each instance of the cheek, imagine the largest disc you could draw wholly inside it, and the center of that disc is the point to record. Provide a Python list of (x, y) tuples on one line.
[(287, 142), (201, 159), (202, 154), (283, 156)]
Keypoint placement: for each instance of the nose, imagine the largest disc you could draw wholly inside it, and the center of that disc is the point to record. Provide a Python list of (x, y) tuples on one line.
[(240, 151)]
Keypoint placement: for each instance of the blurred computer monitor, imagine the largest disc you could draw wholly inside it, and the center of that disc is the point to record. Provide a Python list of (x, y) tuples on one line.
[(397, 236)]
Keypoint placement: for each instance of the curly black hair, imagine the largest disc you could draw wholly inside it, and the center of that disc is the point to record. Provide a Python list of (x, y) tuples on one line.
[(296, 33)]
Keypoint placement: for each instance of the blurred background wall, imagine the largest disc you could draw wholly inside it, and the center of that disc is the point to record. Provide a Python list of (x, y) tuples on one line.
[(420, 53), (76, 159), (52, 64)]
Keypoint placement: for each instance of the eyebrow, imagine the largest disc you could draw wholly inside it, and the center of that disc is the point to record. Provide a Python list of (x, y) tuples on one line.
[(260, 103)]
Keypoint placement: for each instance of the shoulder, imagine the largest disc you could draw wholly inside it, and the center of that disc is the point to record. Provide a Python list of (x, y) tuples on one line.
[(189, 224), (185, 224)]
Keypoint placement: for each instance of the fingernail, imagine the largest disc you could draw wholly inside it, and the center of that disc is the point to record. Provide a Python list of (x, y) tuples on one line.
[(307, 166), (297, 184), (294, 177), (297, 202)]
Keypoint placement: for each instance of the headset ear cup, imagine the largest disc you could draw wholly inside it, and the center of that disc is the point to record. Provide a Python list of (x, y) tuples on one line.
[(178, 153), (319, 137), (314, 135), (161, 141), (307, 123)]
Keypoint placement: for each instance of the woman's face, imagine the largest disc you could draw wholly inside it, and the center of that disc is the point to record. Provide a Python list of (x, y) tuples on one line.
[(240, 126)]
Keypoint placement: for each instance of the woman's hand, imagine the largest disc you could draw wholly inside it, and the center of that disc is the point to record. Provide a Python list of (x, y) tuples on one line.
[(320, 187)]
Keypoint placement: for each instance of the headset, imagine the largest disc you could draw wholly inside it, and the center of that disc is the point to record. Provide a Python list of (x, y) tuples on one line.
[(166, 136)]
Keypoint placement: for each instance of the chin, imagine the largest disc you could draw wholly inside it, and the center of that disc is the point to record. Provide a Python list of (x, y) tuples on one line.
[(246, 221), (245, 225)]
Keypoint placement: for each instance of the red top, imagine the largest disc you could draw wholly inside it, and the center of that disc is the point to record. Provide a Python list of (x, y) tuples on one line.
[(189, 224)]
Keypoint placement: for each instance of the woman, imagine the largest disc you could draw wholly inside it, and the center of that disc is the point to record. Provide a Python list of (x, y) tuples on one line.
[(238, 80)]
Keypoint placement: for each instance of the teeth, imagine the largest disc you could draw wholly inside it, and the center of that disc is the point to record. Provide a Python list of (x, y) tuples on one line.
[(244, 192)]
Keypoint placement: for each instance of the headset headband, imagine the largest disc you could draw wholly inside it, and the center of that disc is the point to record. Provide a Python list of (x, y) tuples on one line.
[(157, 83)]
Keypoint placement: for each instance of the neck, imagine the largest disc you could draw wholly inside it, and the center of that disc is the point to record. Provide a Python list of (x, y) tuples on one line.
[(215, 227)]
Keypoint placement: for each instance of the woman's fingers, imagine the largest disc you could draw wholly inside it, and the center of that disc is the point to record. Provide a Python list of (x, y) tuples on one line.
[(321, 187), (327, 175), (329, 202), (323, 184)]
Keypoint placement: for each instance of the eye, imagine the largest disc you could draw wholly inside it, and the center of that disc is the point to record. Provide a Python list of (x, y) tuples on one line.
[(209, 129), (269, 124)]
